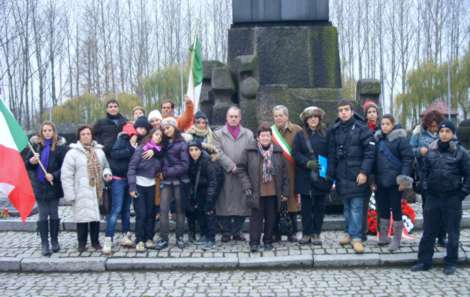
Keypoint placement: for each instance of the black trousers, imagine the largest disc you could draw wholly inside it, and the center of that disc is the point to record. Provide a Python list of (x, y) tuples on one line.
[(144, 207), (444, 208), (442, 231), (82, 233), (261, 218), (389, 199), (313, 212), (205, 219), (48, 209)]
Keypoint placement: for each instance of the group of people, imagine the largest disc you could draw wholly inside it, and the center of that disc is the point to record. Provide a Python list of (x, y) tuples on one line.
[(169, 166)]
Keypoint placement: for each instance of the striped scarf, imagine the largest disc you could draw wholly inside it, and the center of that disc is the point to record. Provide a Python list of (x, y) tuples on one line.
[(267, 162)]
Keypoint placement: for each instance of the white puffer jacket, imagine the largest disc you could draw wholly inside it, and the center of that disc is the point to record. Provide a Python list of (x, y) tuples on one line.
[(75, 182)]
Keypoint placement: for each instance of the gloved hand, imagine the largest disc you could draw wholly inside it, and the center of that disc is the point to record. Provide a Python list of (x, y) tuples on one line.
[(312, 165)]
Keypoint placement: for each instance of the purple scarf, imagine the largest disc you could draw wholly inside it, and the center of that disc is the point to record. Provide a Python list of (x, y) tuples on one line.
[(44, 160), (151, 145), (235, 131)]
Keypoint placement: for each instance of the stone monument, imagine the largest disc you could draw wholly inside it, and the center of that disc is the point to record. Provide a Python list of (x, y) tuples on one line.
[(279, 52)]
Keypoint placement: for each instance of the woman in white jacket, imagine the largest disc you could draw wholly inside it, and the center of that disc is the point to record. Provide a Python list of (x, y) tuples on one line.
[(84, 171)]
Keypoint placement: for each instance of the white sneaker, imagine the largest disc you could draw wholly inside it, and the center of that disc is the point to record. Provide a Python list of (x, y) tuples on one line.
[(140, 247), (149, 244), (108, 246), (126, 239)]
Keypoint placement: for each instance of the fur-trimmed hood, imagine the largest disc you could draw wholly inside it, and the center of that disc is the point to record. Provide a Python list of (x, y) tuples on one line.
[(396, 133), (35, 139)]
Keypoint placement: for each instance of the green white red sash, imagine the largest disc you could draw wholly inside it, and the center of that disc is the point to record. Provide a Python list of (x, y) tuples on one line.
[(279, 140)]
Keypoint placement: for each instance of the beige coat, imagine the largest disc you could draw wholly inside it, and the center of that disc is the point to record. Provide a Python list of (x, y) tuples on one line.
[(232, 200), (75, 182), (289, 134)]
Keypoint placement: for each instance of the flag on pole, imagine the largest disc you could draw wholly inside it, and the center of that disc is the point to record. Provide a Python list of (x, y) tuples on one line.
[(14, 179), (195, 74)]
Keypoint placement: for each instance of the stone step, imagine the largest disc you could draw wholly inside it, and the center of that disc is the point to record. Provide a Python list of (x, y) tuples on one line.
[(332, 222)]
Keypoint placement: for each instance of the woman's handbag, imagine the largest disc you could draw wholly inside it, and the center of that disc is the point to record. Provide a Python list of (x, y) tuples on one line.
[(105, 202), (285, 223)]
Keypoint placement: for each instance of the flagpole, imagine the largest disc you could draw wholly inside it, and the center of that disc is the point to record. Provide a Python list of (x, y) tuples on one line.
[(40, 163)]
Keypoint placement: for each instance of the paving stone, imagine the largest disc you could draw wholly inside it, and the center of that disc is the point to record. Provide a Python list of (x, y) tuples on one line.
[(63, 264), (346, 260)]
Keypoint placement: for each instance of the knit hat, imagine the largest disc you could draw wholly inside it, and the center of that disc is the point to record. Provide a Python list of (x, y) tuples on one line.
[(310, 112), (447, 124), (368, 104), (170, 121), (155, 114), (195, 143), (142, 122), (200, 115), (138, 107), (129, 129)]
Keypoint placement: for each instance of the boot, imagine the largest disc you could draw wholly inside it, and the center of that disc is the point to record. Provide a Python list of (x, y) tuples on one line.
[(383, 232), (43, 232), (54, 226), (397, 230)]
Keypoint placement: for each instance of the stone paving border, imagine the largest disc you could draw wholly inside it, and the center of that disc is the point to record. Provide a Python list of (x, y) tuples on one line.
[(100, 264)]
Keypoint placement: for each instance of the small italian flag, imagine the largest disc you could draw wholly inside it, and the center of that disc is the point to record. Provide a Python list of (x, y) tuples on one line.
[(14, 179), (195, 74)]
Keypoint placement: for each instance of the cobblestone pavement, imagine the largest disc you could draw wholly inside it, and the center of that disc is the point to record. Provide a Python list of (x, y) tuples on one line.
[(27, 244), (306, 282)]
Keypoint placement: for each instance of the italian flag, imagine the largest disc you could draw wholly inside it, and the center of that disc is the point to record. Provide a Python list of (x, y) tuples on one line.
[(279, 140), (195, 74), (14, 179)]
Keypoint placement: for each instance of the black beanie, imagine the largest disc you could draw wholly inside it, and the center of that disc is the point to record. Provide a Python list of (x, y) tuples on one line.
[(200, 115), (447, 124), (142, 122), (195, 143)]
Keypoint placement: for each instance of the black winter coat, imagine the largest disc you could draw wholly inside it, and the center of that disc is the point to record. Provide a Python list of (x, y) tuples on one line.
[(447, 171), (121, 154), (351, 151), (301, 155), (388, 169), (44, 191), (206, 188), (106, 131)]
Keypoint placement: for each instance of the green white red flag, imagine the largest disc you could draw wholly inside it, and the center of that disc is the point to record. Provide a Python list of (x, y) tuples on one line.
[(195, 74), (279, 140), (14, 179)]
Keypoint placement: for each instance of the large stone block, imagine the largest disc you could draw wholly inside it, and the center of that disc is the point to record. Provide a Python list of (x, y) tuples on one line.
[(80, 264), (10, 264)]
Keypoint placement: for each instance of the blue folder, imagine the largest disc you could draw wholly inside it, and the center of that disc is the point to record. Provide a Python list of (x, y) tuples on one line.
[(323, 161)]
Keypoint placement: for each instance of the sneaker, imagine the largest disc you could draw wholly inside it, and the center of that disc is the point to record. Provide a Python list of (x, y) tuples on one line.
[(180, 243), (239, 237), (292, 238), (208, 245), (161, 244), (140, 247), (450, 269), (420, 267), (149, 244), (97, 246), (126, 240), (346, 239), (108, 246), (201, 241), (82, 248), (357, 246), (316, 240)]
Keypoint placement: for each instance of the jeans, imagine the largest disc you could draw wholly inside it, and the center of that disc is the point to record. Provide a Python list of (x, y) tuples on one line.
[(168, 194), (82, 233), (447, 208), (48, 209), (389, 199), (312, 212), (120, 207), (353, 208), (267, 213), (231, 225), (144, 206)]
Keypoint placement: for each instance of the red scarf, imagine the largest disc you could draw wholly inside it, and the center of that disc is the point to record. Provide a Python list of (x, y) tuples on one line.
[(235, 131), (372, 126)]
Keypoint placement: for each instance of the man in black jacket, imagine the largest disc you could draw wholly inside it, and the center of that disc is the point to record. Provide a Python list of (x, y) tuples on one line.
[(106, 130), (446, 183), (351, 159)]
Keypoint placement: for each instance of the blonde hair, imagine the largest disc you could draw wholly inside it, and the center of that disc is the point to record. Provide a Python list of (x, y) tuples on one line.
[(55, 138)]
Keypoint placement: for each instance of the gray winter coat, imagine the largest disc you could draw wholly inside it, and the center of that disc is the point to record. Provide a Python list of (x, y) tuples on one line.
[(75, 182), (232, 200)]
